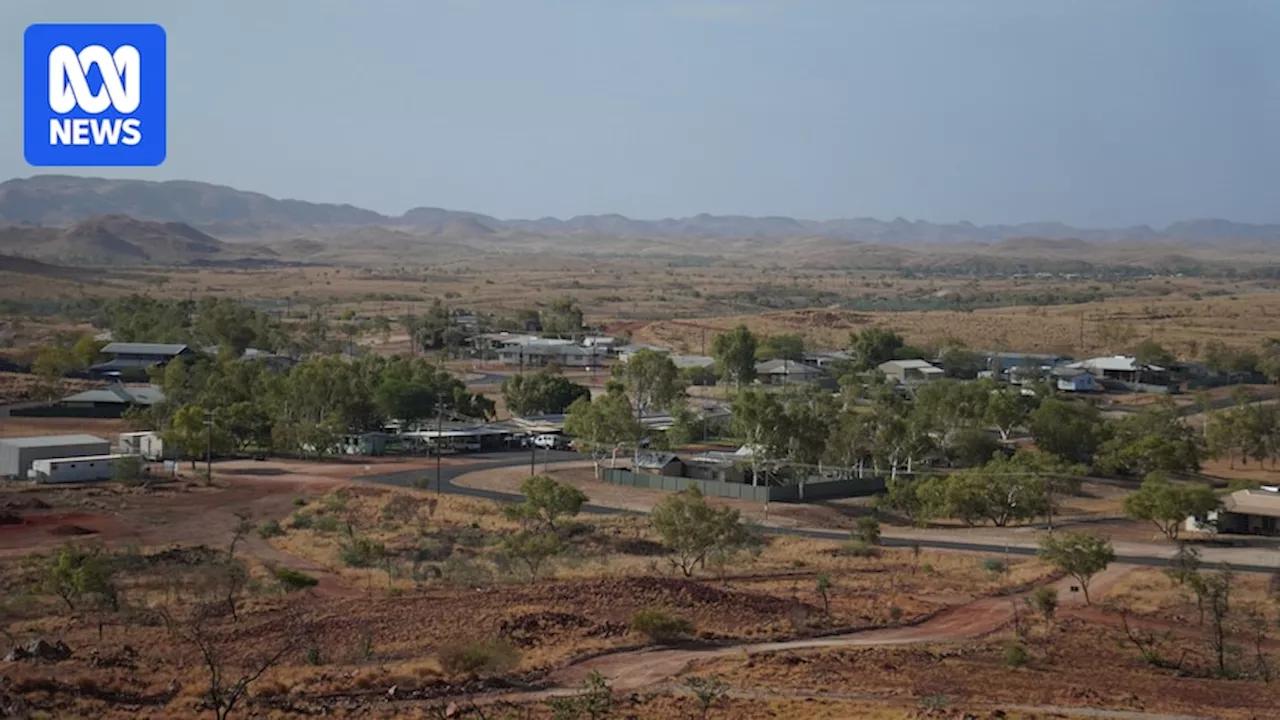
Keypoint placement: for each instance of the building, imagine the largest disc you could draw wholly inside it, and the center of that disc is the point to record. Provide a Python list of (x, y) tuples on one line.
[(146, 444), (134, 359), (786, 372), (1124, 368), (546, 352), (659, 463), (1073, 379), (88, 468), (625, 352), (17, 454), (113, 399), (712, 465), (825, 358), (698, 369), (1253, 511), (911, 371)]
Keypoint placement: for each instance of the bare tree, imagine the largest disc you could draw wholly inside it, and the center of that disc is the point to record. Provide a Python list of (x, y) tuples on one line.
[(229, 674)]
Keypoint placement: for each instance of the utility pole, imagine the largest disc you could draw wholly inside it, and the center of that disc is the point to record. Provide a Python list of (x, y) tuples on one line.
[(439, 439), (208, 449)]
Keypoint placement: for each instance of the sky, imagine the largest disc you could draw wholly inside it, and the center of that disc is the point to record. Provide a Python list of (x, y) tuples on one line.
[(1091, 112)]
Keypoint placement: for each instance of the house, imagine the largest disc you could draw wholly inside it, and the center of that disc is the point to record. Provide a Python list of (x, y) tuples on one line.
[(786, 372), (546, 352), (1253, 511), (659, 463), (699, 369), (134, 359), (17, 453), (712, 465), (911, 371), (1073, 379), (825, 358), (1001, 362), (1124, 368), (114, 398), (602, 341), (275, 362)]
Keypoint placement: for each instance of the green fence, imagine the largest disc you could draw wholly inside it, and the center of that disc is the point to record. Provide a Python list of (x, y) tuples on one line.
[(813, 490)]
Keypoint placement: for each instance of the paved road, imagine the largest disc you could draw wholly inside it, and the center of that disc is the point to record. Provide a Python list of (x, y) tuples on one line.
[(490, 461)]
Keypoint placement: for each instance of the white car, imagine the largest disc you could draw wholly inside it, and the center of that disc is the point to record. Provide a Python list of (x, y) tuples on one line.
[(548, 442)]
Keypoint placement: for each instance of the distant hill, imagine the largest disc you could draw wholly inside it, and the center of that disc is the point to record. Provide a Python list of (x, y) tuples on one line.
[(225, 212), (122, 240), (27, 266)]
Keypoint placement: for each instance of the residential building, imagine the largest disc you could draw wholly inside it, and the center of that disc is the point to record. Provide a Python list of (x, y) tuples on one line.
[(1124, 368), (134, 359), (146, 443), (712, 465), (911, 371), (1253, 511), (17, 453), (787, 372), (825, 358), (699, 369), (114, 398), (659, 463), (550, 351), (1073, 379)]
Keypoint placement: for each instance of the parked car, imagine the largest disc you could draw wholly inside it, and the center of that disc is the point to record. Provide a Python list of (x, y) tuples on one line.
[(550, 442)]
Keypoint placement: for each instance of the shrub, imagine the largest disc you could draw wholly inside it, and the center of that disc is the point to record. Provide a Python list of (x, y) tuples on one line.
[(326, 523), (492, 657), (362, 552), (433, 550), (269, 529), (659, 626), (995, 566), (1015, 655), (292, 580), (859, 549), (462, 571), (303, 520), (867, 531), (299, 501), (335, 503)]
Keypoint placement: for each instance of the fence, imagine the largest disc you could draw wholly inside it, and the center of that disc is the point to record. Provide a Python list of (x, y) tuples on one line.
[(99, 411), (814, 489)]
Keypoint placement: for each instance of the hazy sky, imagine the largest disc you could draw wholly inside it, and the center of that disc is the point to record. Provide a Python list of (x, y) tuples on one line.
[(1095, 112)]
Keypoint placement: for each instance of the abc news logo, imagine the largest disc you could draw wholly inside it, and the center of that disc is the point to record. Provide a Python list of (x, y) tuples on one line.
[(69, 89), (94, 95)]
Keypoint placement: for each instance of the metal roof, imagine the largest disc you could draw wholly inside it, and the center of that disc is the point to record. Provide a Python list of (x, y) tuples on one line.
[(1263, 503), (121, 394), (1115, 363), (692, 361), (38, 441), (128, 348), (786, 367), (654, 459)]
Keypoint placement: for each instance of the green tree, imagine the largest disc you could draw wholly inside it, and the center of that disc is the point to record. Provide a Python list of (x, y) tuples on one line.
[(1152, 439), (653, 380), (74, 572), (191, 437), (781, 347), (757, 418), (601, 426), (86, 350), (1006, 410), (532, 549), (406, 400), (1150, 352), (1080, 555), (874, 346), (692, 529), (735, 354), (1071, 430), (541, 393), (545, 502), (1168, 505)]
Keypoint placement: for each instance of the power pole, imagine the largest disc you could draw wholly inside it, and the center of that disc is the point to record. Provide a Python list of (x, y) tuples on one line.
[(208, 449), (439, 438)]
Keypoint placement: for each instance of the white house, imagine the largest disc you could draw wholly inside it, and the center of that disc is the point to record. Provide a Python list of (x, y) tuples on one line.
[(74, 469)]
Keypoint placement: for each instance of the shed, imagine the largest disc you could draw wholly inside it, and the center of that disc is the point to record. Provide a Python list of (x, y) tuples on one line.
[(146, 443), (911, 371), (86, 468), (17, 453), (713, 465), (786, 372), (659, 463)]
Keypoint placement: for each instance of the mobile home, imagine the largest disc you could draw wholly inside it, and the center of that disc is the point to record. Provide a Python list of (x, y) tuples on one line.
[(74, 469)]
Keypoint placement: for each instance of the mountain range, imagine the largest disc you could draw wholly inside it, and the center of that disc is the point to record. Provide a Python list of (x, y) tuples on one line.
[(214, 210)]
